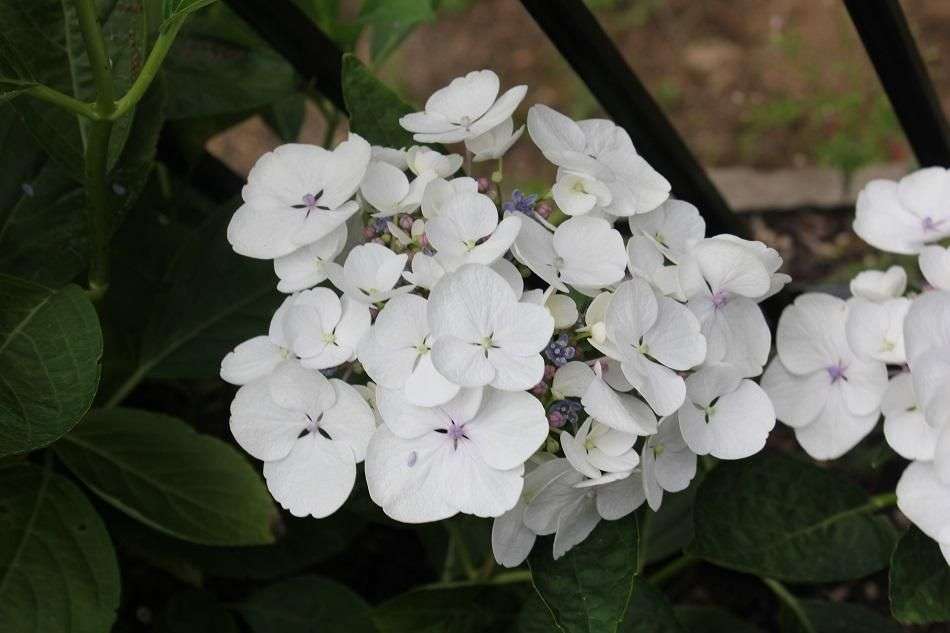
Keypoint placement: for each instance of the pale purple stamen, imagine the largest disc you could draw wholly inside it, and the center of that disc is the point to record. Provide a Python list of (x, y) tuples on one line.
[(413, 456), (836, 372), (929, 224), (455, 433), (720, 298), (310, 200)]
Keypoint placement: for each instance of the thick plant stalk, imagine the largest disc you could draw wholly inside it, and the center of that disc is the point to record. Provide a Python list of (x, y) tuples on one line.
[(98, 208)]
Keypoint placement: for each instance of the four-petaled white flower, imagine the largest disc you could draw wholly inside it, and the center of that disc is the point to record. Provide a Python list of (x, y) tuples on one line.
[(876, 329), (902, 217), (602, 401), (306, 266), (725, 415), (440, 191), (465, 109), (905, 427), (653, 338), (493, 144), (467, 455), (310, 433), (467, 231), (925, 499), (577, 193), (667, 462), (934, 262), (598, 449), (482, 334), (387, 189), (724, 280), (927, 343), (370, 273), (819, 387), (879, 285), (296, 195), (584, 252), (602, 151), (319, 329), (396, 354)]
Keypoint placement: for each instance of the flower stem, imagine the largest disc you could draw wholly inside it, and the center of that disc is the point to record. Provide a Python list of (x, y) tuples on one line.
[(98, 208), (790, 601), (671, 569), (458, 547), (67, 102), (149, 70)]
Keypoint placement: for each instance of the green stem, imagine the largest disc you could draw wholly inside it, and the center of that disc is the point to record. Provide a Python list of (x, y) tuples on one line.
[(790, 601), (98, 207), (149, 70), (57, 98), (883, 500), (98, 57), (671, 569), (504, 578), (457, 542)]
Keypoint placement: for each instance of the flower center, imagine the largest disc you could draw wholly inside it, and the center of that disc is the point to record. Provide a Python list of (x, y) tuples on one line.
[(311, 201), (720, 298), (928, 224), (455, 432), (837, 372)]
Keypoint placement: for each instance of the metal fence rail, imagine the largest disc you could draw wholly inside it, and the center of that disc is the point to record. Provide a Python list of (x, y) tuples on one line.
[(887, 38)]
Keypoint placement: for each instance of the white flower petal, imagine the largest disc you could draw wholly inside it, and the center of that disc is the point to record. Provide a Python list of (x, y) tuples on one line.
[(315, 479)]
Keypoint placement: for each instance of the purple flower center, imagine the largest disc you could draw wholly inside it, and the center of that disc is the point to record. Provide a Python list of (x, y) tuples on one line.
[(720, 298), (836, 372), (456, 432), (929, 224), (310, 200)]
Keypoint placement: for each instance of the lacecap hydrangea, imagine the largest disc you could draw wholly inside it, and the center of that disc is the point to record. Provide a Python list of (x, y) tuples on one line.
[(549, 359), (843, 363)]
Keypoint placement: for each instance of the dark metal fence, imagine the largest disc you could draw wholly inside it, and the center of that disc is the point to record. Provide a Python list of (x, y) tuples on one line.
[(582, 41)]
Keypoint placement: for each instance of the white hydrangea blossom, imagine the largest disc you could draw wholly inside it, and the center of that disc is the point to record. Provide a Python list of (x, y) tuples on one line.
[(842, 364), (437, 338)]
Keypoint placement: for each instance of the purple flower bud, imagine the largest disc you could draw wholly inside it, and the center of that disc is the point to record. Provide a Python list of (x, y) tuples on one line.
[(544, 210), (555, 420), (368, 232), (484, 184), (405, 222), (540, 389)]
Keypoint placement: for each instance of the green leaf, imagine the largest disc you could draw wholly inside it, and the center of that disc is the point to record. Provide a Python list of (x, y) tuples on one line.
[(306, 604), (235, 69), (374, 108), (534, 617), (58, 571), (194, 611), (650, 612), (697, 619), (41, 42), (286, 116), (670, 529), (470, 609), (42, 224), (180, 297), (589, 587), (776, 516), (300, 543), (404, 11), (177, 10), (840, 617), (50, 344), (920, 580), (158, 470)]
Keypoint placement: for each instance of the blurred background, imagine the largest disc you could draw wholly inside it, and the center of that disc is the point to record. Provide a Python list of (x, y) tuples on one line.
[(777, 99)]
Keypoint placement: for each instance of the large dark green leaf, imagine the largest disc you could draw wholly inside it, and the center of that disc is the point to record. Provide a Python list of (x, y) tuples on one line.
[(300, 543), (373, 107), (219, 65), (58, 571), (181, 298), (160, 471), (696, 619), (174, 11), (920, 580), (780, 517), (670, 529), (195, 611), (471, 609), (41, 42), (589, 587), (392, 21), (839, 617), (307, 604), (50, 344), (650, 612)]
